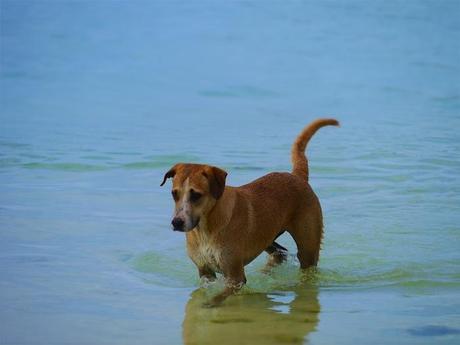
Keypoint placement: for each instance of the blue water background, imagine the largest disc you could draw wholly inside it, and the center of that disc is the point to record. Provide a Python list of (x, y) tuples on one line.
[(100, 98)]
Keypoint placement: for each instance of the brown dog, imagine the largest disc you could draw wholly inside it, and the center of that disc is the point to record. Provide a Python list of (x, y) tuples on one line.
[(228, 227)]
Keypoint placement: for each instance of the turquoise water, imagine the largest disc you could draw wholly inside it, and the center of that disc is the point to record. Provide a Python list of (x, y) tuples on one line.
[(99, 99)]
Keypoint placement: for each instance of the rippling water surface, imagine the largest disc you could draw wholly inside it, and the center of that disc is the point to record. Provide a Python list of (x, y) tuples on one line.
[(99, 99)]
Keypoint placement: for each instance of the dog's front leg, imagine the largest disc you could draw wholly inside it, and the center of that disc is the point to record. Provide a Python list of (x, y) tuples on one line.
[(234, 281), (206, 273)]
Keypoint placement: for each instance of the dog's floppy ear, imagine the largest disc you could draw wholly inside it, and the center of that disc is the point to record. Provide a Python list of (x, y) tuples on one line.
[(169, 174), (216, 178)]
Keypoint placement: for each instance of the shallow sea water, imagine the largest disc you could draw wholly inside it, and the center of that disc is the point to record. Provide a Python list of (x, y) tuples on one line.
[(99, 99)]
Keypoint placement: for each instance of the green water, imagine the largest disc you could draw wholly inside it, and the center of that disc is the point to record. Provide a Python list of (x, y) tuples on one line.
[(99, 99)]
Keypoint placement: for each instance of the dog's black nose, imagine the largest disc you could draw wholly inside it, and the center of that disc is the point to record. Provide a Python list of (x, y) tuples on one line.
[(178, 223)]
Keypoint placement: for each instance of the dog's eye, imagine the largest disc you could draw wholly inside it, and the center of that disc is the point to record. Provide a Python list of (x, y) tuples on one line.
[(195, 196), (175, 195)]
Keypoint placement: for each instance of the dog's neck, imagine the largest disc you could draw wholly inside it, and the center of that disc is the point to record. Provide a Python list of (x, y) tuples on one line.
[(219, 216)]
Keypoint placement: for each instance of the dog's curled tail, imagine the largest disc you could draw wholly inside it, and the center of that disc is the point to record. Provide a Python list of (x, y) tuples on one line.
[(299, 160)]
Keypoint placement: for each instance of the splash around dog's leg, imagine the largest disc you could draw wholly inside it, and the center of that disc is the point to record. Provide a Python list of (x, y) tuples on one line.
[(221, 297), (206, 275), (275, 258)]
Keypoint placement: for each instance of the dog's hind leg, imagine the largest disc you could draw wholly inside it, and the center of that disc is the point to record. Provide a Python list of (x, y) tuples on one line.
[(307, 234), (276, 247), (277, 254)]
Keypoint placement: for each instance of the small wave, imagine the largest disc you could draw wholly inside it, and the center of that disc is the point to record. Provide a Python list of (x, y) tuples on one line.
[(76, 167), (243, 91), (91, 163), (244, 168), (8, 162), (144, 165), (432, 331), (162, 161), (13, 145), (26, 259), (332, 278), (337, 170), (122, 153), (97, 157), (163, 269), (446, 99), (442, 162)]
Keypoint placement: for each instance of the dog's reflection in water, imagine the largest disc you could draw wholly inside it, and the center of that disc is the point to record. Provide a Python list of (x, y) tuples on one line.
[(285, 317)]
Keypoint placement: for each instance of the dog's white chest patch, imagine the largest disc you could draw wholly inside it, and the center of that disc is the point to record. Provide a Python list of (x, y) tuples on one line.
[(207, 255)]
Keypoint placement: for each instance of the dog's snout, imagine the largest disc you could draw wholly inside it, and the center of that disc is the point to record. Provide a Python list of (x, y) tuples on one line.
[(178, 223)]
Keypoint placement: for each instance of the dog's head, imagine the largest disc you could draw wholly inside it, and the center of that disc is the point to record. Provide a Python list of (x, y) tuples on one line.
[(195, 190)]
